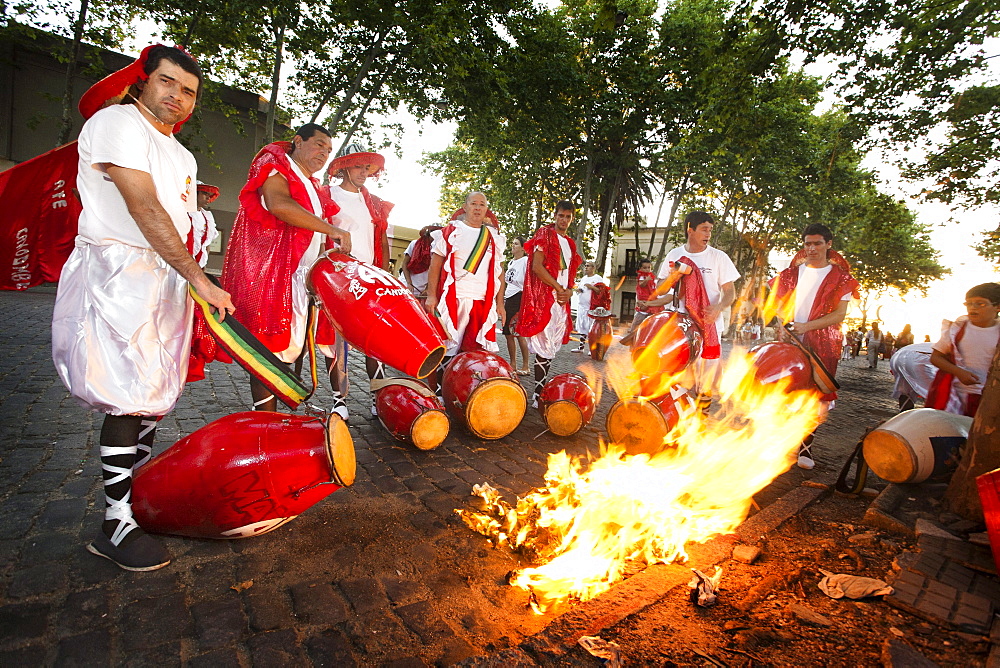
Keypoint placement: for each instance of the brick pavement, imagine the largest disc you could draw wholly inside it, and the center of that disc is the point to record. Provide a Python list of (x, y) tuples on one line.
[(381, 573)]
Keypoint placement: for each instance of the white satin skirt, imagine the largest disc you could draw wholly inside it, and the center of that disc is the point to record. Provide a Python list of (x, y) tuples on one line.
[(547, 342), (121, 330)]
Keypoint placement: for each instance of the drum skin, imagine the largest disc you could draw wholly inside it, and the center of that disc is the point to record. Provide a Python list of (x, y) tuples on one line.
[(481, 391), (641, 424), (243, 475), (566, 403), (665, 343), (599, 337), (412, 416), (775, 360), (917, 445), (377, 314)]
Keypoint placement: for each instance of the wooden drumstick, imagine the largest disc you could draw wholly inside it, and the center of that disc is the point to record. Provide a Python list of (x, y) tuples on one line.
[(667, 283)]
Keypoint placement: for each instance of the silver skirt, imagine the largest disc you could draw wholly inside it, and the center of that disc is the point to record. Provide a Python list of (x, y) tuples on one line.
[(121, 330)]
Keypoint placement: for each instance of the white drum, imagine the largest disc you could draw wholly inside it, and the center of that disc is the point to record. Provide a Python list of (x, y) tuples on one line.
[(917, 445)]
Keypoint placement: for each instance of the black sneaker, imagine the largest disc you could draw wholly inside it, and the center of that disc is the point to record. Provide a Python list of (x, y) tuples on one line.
[(144, 553)]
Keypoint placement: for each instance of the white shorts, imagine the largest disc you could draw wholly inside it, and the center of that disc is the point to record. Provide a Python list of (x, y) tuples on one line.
[(547, 342)]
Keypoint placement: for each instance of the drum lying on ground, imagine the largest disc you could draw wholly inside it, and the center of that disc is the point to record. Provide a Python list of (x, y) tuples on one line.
[(665, 344), (641, 425), (411, 412), (481, 391), (566, 403), (377, 314), (243, 475), (917, 445), (775, 361)]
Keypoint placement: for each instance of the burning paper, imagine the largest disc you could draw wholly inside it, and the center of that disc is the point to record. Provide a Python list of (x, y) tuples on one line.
[(705, 589), (595, 521)]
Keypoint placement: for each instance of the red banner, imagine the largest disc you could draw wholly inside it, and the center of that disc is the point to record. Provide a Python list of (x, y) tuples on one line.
[(38, 218)]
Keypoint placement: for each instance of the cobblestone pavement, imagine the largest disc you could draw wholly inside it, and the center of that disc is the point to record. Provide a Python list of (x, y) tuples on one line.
[(381, 573)]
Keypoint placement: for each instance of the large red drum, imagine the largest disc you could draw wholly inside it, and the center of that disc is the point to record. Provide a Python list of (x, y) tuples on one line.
[(243, 475), (665, 344), (641, 424), (775, 361), (599, 336), (377, 314), (566, 403), (411, 412), (482, 391)]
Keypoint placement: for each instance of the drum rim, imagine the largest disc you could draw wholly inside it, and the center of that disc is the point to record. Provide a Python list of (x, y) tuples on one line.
[(472, 398), (431, 362), (342, 478), (420, 417)]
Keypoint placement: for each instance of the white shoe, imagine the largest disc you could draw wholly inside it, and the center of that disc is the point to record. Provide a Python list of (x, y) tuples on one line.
[(805, 462), (374, 411), (340, 408), (534, 403)]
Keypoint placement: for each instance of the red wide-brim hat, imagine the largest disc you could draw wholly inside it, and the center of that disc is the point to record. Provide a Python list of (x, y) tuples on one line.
[(210, 190), (112, 88), (375, 162)]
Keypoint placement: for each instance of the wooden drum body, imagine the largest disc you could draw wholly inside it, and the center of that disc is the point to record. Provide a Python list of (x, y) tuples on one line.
[(917, 445), (243, 475), (775, 360), (566, 403), (482, 391), (665, 344), (599, 336), (377, 314), (641, 425), (411, 412)]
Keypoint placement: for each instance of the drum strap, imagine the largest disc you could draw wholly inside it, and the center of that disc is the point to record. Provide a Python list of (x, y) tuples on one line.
[(860, 471), (824, 380), (253, 356), (415, 385)]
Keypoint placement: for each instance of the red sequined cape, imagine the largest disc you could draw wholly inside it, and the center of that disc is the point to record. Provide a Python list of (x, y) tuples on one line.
[(537, 297)]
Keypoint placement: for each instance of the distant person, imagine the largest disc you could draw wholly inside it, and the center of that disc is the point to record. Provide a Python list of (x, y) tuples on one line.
[(905, 338), (873, 344), (645, 286), (859, 340), (514, 277), (585, 290), (417, 262), (965, 352)]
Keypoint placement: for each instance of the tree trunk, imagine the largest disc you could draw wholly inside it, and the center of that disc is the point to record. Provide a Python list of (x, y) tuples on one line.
[(364, 108), (66, 126), (652, 233), (678, 194), (190, 32), (581, 228), (981, 453), (605, 233), (279, 40), (349, 95)]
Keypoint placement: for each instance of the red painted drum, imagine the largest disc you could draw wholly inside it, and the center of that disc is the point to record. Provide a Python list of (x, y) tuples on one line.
[(482, 391), (243, 475), (377, 314), (641, 425), (566, 403), (411, 412), (599, 336), (775, 361), (665, 344)]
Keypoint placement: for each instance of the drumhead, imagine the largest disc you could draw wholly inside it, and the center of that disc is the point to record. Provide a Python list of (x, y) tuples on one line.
[(890, 456), (430, 429), (638, 426), (495, 408), (563, 417), (340, 448)]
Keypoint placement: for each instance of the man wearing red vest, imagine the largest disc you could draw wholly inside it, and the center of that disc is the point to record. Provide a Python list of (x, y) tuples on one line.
[(820, 280), (366, 217)]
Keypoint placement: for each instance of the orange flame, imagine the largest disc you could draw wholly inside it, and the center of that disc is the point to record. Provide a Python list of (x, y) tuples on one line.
[(596, 521)]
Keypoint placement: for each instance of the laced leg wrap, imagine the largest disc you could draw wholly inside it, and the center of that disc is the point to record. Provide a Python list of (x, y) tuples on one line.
[(541, 368), (378, 373), (119, 437), (263, 398), (147, 436), (805, 447)]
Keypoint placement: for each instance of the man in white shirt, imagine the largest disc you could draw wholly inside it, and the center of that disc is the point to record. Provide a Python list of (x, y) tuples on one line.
[(585, 290), (121, 326), (718, 274), (365, 216)]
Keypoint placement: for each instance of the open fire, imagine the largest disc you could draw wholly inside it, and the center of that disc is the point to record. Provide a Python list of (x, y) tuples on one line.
[(598, 520)]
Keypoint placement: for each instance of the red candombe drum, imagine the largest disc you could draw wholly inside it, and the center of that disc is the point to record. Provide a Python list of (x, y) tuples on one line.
[(666, 343), (566, 403), (641, 424), (376, 313), (599, 336), (243, 475), (776, 360), (411, 412), (482, 391)]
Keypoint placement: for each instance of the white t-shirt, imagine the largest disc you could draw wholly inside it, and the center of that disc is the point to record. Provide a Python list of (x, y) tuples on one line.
[(716, 270), (805, 290), (515, 276), (583, 301), (975, 350), (121, 136), (463, 239), (418, 281), (357, 219), (567, 255)]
